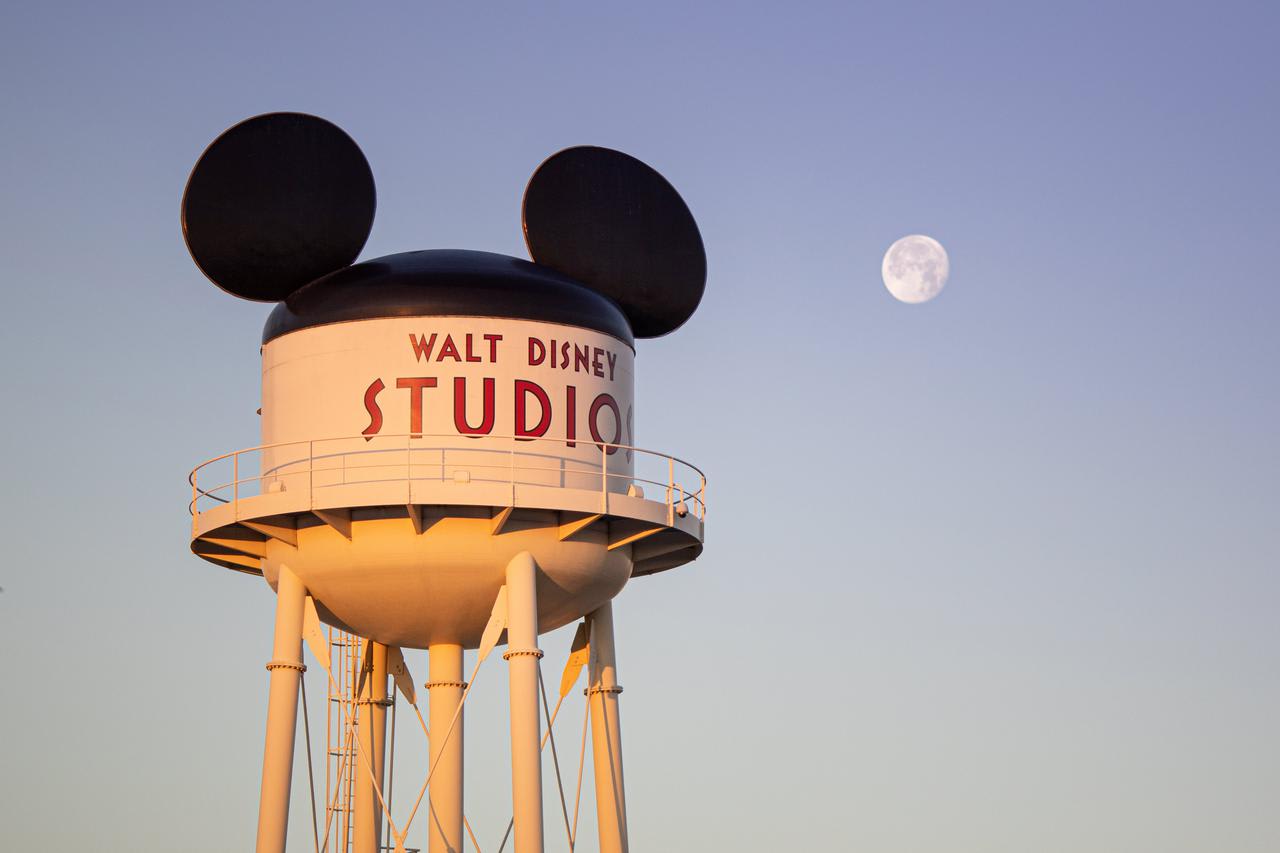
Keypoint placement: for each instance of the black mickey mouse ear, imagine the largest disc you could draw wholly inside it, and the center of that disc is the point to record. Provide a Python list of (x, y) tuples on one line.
[(276, 202), (611, 222)]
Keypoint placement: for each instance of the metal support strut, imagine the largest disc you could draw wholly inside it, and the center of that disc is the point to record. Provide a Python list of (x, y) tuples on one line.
[(282, 714), (522, 659), (372, 727), (444, 814), (606, 732)]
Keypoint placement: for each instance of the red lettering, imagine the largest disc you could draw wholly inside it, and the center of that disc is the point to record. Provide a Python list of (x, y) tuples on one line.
[(449, 349), (460, 408), (371, 406), (540, 348), (523, 389), (571, 416), (493, 347), (597, 366), (613, 362), (564, 355), (470, 355), (596, 405), (631, 430), (581, 358), (415, 384), (422, 345)]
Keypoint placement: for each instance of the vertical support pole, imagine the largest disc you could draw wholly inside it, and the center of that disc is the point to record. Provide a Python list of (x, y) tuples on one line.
[(671, 484), (522, 656), (444, 817), (282, 714), (606, 732), (604, 477), (372, 723)]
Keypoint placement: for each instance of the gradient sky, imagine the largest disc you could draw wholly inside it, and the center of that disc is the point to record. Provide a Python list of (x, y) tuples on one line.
[(998, 573)]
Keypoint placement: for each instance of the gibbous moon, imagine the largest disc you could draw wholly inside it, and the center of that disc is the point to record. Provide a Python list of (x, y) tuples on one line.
[(915, 269)]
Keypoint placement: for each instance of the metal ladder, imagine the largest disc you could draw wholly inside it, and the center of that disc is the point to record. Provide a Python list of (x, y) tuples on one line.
[(339, 772)]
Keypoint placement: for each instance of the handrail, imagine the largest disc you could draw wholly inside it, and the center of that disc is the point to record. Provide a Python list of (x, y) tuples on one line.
[(677, 494), (211, 492), (416, 435)]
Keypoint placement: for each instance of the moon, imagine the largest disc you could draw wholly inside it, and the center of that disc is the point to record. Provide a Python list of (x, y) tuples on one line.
[(915, 269)]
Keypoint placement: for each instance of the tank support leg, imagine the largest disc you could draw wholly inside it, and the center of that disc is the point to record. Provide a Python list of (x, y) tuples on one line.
[(445, 799), (606, 733), (522, 656), (373, 737), (282, 714)]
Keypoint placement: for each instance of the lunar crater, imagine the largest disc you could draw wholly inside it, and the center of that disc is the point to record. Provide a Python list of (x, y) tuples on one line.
[(915, 269)]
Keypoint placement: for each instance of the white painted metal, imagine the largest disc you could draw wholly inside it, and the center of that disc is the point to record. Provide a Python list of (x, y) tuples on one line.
[(417, 468), (414, 471), (313, 635), (462, 377), (444, 832), (606, 732), (522, 657), (282, 713), (340, 768), (410, 590), (370, 765)]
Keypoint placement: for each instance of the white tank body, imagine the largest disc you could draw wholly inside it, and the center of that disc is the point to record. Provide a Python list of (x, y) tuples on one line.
[(458, 403), (455, 381)]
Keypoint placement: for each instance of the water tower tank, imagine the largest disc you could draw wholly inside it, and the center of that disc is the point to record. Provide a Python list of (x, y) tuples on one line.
[(431, 419)]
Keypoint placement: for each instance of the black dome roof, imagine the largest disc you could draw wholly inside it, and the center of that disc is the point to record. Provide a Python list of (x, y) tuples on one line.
[(447, 282)]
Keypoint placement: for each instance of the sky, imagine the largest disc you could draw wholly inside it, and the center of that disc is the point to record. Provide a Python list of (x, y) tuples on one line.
[(994, 573)]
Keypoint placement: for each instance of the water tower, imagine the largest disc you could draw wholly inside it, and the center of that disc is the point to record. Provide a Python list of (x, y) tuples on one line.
[(448, 459)]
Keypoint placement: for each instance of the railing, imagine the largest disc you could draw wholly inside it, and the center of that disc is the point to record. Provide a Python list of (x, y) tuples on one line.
[(318, 464)]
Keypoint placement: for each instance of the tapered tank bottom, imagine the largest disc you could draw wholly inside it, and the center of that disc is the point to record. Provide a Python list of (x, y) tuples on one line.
[(403, 588)]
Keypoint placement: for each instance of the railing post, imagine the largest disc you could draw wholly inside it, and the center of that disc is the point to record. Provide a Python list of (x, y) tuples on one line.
[(235, 484), (671, 482), (604, 477), (311, 474), (195, 499)]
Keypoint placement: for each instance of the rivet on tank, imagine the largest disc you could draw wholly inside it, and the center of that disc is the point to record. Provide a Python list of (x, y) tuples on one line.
[(448, 461)]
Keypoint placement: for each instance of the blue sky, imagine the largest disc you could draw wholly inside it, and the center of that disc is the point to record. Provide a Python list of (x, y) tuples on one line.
[(994, 573)]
